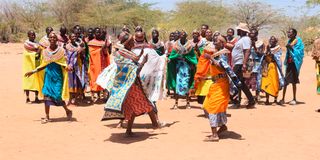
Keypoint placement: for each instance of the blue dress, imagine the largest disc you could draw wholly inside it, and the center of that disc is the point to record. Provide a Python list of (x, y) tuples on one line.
[(183, 77), (53, 83)]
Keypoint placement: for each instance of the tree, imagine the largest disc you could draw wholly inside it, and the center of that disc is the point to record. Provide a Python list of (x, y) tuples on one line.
[(256, 14), (33, 14), (68, 12), (115, 14), (190, 15), (313, 2)]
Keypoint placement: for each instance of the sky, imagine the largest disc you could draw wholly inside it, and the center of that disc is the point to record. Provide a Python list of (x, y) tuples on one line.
[(288, 7)]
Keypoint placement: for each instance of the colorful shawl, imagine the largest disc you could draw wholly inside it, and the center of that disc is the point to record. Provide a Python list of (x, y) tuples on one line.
[(62, 40), (229, 56), (75, 58), (57, 56), (201, 45), (125, 76), (169, 46), (296, 52), (99, 60), (186, 53), (151, 74), (203, 66), (158, 47), (30, 62), (44, 41), (254, 64), (277, 53)]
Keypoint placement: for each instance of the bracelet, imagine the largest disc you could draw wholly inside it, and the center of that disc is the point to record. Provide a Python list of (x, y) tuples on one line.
[(34, 71)]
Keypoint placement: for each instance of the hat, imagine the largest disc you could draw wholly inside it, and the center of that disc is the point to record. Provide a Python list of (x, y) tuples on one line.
[(243, 27)]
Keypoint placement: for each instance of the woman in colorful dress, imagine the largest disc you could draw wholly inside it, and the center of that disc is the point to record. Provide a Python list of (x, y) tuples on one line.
[(31, 60), (127, 99), (293, 63), (99, 60), (44, 41), (75, 58), (181, 68), (231, 41), (272, 77), (156, 43), (55, 88), (253, 72), (201, 84), (216, 102)]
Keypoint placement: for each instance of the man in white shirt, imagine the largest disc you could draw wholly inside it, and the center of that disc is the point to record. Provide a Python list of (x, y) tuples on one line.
[(240, 55)]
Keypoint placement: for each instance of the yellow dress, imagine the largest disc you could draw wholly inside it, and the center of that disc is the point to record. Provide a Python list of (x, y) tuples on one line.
[(270, 81), (202, 86), (34, 82)]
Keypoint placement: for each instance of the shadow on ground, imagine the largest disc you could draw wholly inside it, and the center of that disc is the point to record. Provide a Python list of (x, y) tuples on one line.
[(60, 119), (140, 125), (137, 137), (229, 135)]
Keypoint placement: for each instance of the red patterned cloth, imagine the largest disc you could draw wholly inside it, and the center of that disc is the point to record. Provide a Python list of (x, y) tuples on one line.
[(136, 102)]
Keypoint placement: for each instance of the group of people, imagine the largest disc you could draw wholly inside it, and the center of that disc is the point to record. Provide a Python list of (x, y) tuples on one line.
[(134, 72)]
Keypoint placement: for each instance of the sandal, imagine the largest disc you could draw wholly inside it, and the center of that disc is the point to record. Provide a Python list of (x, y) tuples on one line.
[(212, 139), (293, 102), (188, 106), (175, 107), (45, 120), (161, 124)]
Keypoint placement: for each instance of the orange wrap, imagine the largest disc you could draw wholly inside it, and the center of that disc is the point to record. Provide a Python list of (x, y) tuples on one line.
[(218, 97), (203, 66), (99, 59)]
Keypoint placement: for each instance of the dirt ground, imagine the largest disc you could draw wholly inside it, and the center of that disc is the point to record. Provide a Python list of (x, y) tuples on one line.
[(267, 132)]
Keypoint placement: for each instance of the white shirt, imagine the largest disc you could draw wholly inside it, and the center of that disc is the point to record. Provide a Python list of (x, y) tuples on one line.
[(237, 52)]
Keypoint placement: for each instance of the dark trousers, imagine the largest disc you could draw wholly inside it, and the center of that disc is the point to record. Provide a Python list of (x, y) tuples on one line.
[(237, 69)]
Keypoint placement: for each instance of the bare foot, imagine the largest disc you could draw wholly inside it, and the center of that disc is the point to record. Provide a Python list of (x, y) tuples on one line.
[(212, 138), (69, 115), (37, 100), (281, 102), (121, 124), (28, 100), (130, 134)]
